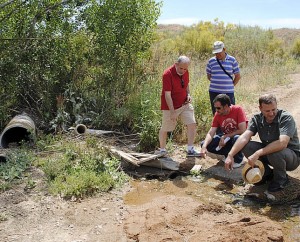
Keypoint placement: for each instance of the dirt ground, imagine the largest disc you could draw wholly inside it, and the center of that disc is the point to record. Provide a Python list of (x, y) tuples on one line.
[(35, 216)]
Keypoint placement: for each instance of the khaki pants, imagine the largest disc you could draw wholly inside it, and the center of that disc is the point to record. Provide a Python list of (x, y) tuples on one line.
[(186, 114)]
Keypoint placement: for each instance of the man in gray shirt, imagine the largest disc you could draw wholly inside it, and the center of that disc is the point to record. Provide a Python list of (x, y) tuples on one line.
[(279, 146)]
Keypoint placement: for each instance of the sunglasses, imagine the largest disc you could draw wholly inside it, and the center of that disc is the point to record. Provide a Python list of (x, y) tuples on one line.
[(218, 108), (182, 82)]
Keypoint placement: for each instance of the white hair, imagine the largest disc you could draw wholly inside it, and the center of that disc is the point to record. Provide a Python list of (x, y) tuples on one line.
[(183, 59)]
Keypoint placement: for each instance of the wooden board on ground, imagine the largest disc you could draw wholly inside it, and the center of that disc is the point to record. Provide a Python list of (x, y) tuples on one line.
[(152, 160), (126, 156), (150, 157), (163, 163)]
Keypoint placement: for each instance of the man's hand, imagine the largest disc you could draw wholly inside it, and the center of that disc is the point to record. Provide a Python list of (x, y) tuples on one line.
[(252, 158), (188, 98), (203, 152), (222, 142), (229, 163), (173, 115)]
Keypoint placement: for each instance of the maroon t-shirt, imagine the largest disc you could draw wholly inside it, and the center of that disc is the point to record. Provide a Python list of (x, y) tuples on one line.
[(172, 82)]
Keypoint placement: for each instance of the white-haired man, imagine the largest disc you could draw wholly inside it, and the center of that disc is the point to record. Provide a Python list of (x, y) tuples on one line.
[(176, 103)]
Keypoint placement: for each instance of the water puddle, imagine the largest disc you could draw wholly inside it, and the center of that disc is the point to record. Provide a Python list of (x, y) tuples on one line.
[(209, 189)]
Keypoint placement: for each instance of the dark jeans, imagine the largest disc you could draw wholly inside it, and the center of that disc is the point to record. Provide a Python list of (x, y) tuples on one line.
[(281, 161), (212, 96), (238, 158)]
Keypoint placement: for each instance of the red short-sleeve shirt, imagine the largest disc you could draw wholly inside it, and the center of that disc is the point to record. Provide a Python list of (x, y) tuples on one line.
[(229, 123), (172, 82)]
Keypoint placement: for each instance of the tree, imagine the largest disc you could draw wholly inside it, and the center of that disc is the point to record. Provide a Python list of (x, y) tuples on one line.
[(123, 32), (72, 50), (35, 36)]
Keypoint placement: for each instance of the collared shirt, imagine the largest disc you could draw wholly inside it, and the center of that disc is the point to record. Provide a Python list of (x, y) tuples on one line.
[(283, 124), (220, 82), (172, 82)]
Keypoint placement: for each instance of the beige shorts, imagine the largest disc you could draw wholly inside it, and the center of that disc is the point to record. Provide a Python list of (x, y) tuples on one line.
[(186, 114)]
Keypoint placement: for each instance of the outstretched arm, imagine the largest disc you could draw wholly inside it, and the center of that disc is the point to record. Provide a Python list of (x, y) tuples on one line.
[(237, 147), (208, 139)]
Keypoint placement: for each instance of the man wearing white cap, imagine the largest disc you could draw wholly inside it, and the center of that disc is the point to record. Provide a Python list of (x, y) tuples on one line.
[(279, 146), (223, 73)]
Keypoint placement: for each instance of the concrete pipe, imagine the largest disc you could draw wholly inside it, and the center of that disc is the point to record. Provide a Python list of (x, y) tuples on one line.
[(80, 129), (20, 128)]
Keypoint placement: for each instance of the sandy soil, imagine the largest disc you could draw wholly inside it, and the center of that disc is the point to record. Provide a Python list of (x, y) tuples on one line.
[(35, 216)]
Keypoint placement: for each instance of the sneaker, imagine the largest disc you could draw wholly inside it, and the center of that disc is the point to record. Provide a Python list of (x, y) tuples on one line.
[(275, 186), (161, 152), (237, 165), (193, 153)]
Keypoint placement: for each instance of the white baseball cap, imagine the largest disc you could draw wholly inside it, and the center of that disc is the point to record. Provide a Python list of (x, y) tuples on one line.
[(218, 47)]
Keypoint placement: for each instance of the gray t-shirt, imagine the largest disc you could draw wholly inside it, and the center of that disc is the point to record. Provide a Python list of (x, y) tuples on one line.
[(283, 124)]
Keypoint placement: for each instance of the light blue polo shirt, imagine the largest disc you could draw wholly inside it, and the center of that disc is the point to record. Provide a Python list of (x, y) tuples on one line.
[(220, 82)]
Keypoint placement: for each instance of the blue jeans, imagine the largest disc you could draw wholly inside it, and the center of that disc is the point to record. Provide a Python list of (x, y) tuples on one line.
[(238, 158), (212, 96)]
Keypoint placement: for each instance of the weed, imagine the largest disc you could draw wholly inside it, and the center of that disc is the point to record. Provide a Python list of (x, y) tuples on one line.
[(4, 185), (91, 141), (82, 170), (3, 217), (45, 142), (17, 162), (81, 183), (30, 184)]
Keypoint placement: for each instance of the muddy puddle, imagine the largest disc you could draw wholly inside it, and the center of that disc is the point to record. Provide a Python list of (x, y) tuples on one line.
[(209, 189)]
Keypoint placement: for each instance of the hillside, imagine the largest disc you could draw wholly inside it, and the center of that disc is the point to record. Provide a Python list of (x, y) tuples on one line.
[(285, 34)]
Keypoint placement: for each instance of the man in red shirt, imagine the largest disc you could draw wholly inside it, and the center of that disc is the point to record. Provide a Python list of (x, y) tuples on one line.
[(232, 121), (176, 102)]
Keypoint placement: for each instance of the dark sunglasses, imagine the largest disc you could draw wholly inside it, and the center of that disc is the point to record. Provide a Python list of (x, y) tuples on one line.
[(182, 82), (218, 108)]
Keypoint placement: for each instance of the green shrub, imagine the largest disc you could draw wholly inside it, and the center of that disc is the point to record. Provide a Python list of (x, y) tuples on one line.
[(81, 170), (81, 183), (296, 48), (55, 167), (144, 106), (17, 161)]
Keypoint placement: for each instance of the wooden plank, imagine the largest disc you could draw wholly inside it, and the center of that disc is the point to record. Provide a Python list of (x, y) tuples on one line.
[(129, 158), (125, 156), (140, 154), (145, 158), (163, 163), (151, 157)]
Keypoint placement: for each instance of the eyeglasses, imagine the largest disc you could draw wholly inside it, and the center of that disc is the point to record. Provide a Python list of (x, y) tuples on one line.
[(182, 82), (218, 108)]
